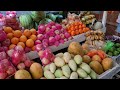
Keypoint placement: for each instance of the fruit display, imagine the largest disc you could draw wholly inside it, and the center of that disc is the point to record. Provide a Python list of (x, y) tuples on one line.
[(71, 18), (11, 20), (2, 21), (95, 39), (77, 28), (87, 17), (26, 21), (24, 38), (66, 66), (51, 34), (112, 48), (19, 58)]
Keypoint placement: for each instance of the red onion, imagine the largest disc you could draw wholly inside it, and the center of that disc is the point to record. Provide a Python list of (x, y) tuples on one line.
[(27, 63), (57, 32), (24, 57), (40, 36), (3, 55), (57, 43), (3, 75), (45, 61), (6, 42), (11, 70), (37, 42), (41, 28), (39, 47), (41, 54), (3, 35), (47, 29), (16, 57), (27, 49), (58, 26), (9, 52), (6, 62), (62, 36), (19, 48), (62, 41), (1, 49), (52, 39), (67, 35), (57, 37), (5, 48), (52, 34), (51, 23)]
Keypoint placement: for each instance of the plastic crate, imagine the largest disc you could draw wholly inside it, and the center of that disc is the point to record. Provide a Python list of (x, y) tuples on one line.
[(111, 72)]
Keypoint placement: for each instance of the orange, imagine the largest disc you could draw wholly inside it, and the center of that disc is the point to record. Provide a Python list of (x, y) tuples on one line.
[(33, 37), (8, 29), (73, 33), (80, 26), (87, 29), (14, 40), (33, 48), (83, 25), (33, 31), (23, 38), (30, 43), (12, 46), (22, 44), (80, 31), (10, 35), (27, 33), (76, 32), (17, 33)]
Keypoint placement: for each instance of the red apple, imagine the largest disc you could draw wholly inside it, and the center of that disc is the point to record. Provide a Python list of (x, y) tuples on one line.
[(21, 66), (10, 70), (3, 75), (27, 63)]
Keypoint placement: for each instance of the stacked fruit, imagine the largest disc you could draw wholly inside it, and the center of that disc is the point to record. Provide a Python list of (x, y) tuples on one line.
[(11, 20), (95, 39), (2, 21), (77, 28), (67, 66), (51, 34), (19, 58), (98, 61), (26, 38), (112, 48), (6, 68)]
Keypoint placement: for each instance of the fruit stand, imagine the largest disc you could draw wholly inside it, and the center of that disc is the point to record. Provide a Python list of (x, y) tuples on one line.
[(56, 45)]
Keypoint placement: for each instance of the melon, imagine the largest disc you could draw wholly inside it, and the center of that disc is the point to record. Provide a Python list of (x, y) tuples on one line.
[(22, 74), (107, 63), (36, 70)]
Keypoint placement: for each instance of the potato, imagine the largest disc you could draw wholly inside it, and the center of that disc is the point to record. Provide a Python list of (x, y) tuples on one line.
[(47, 67), (93, 75), (74, 75), (63, 77), (49, 75), (81, 73), (58, 73), (88, 77), (78, 59), (66, 71), (67, 57), (85, 67), (59, 62), (52, 67), (72, 65), (59, 55)]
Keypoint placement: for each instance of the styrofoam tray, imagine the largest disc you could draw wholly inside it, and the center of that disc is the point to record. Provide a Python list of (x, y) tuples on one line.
[(78, 38), (111, 72)]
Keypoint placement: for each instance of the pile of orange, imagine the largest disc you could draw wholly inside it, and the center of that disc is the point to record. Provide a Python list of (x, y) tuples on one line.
[(77, 28), (17, 37)]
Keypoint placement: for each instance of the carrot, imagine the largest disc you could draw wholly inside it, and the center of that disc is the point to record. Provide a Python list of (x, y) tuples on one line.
[(101, 55)]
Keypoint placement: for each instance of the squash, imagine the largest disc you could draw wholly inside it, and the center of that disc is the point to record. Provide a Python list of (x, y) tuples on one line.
[(36, 70), (75, 48), (22, 74)]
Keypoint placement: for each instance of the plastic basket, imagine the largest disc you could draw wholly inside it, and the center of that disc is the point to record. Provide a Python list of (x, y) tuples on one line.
[(111, 72)]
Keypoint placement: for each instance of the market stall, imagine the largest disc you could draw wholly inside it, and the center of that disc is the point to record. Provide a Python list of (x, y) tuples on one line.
[(56, 45)]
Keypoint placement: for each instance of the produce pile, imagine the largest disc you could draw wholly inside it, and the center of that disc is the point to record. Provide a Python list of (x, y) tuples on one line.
[(77, 28), (42, 30), (87, 17), (68, 66), (95, 39), (24, 38), (112, 48)]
